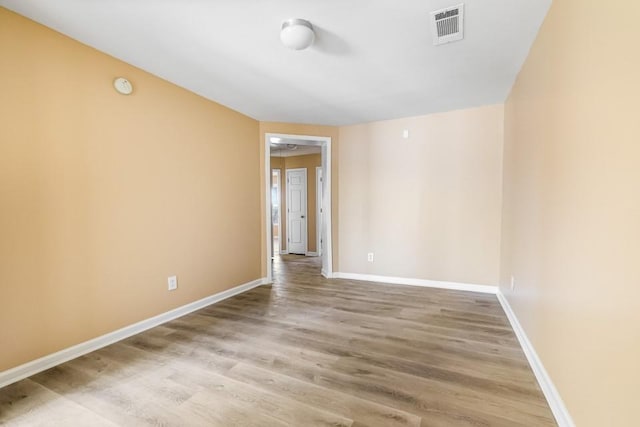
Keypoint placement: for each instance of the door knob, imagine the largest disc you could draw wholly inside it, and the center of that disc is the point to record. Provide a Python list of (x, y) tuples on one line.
[(301, 216)]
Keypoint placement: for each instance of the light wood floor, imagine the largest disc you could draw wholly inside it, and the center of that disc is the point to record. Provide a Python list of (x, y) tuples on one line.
[(304, 352)]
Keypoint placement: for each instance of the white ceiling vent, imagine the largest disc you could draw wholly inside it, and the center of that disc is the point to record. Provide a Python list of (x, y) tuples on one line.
[(447, 24)]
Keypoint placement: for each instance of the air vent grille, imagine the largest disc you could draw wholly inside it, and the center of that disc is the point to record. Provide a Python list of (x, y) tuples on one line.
[(447, 24)]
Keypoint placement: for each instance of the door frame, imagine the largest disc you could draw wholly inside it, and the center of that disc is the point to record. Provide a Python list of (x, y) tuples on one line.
[(325, 143), (306, 208), (318, 213), (279, 208)]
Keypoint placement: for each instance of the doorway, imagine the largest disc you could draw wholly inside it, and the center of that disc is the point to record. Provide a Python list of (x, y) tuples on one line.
[(316, 226), (319, 201), (297, 211), (276, 215)]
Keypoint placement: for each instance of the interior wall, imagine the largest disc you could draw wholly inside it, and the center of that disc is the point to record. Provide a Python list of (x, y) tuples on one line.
[(571, 234), (308, 130), (428, 207), (103, 196), (308, 162)]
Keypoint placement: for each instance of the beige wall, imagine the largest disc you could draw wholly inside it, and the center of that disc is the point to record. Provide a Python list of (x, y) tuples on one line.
[(102, 196), (428, 207), (572, 207), (309, 130), (308, 162)]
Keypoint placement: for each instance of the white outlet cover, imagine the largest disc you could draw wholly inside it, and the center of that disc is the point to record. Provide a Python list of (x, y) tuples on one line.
[(405, 133), (172, 283)]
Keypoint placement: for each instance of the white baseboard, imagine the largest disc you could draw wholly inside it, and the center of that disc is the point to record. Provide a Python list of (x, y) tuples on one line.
[(31, 368), (311, 254), (487, 289), (284, 252), (326, 275), (560, 412)]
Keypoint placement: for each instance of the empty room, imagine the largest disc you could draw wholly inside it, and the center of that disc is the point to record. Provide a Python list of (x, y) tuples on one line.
[(319, 213)]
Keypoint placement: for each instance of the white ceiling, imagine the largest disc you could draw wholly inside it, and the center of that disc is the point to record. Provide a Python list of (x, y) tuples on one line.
[(290, 147), (372, 59), (280, 150)]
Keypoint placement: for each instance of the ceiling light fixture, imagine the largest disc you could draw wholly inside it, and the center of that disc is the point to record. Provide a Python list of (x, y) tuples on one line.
[(297, 34)]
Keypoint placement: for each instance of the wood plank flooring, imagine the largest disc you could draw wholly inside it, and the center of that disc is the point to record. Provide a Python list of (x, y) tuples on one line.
[(305, 351)]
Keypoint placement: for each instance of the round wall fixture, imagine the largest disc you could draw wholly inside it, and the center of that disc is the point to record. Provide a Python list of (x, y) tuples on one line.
[(123, 86), (297, 34)]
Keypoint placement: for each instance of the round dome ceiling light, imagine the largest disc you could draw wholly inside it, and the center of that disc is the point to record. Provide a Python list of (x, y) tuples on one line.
[(297, 34)]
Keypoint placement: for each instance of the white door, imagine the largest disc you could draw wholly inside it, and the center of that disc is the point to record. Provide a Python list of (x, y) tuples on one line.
[(297, 211), (319, 210)]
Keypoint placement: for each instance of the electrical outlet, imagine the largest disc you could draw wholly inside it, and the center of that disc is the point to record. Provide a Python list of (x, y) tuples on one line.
[(172, 283), (370, 257), (513, 283)]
